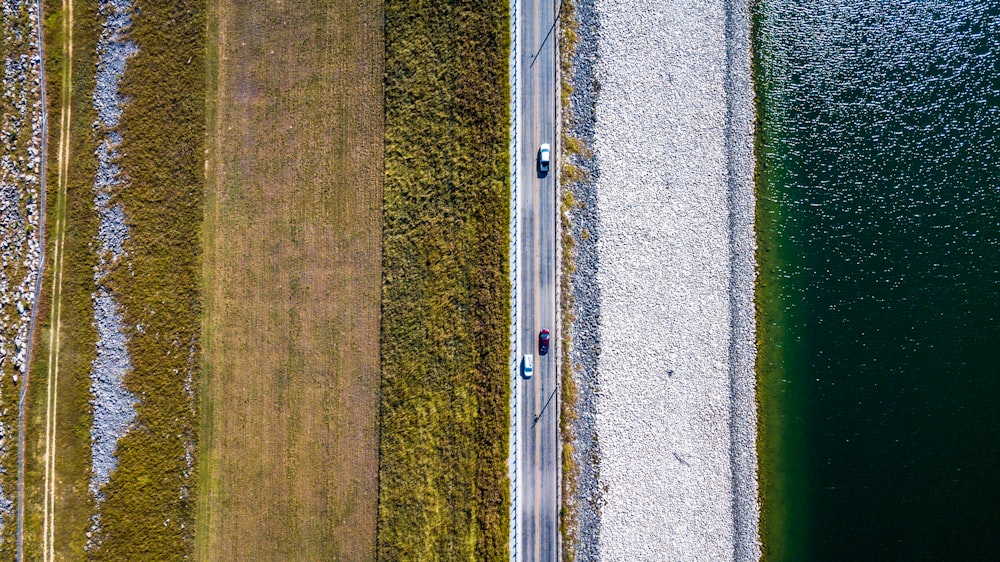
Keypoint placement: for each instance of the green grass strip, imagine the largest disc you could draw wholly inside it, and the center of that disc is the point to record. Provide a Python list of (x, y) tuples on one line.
[(73, 213)]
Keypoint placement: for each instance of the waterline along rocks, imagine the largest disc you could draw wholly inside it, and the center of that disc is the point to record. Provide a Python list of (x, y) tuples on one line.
[(20, 168), (114, 406), (664, 334)]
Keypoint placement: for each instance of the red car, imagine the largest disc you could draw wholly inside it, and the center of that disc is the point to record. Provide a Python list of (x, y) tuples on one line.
[(543, 342)]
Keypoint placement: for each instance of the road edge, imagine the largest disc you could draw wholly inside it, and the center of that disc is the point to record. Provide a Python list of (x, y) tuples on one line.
[(513, 467), (557, 238)]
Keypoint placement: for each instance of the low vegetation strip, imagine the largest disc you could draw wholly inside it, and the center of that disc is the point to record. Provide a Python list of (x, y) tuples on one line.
[(150, 493), (20, 146), (70, 210), (445, 318), (572, 179), (147, 507)]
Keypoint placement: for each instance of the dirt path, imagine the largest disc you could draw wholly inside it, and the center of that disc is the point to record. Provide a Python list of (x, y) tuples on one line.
[(59, 229)]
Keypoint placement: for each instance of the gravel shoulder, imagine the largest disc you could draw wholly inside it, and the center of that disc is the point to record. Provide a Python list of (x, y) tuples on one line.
[(666, 236)]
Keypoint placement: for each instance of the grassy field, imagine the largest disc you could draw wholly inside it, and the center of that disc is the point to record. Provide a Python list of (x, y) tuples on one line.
[(292, 282), (293, 277), (445, 304)]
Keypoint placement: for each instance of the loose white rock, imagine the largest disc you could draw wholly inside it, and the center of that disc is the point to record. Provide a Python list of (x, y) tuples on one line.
[(664, 336), (20, 197), (114, 405)]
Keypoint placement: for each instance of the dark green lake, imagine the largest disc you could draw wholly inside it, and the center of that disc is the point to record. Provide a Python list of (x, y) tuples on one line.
[(879, 294)]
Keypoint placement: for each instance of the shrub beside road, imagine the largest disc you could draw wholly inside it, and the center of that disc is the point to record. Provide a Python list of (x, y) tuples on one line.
[(446, 291)]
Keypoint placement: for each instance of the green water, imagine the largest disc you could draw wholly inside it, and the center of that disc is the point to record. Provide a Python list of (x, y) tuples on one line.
[(879, 294)]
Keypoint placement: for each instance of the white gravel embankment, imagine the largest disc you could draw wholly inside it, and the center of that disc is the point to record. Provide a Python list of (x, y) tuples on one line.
[(114, 405), (666, 341), (20, 197)]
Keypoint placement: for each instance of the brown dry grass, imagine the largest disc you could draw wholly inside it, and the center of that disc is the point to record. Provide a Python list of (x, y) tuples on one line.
[(289, 457)]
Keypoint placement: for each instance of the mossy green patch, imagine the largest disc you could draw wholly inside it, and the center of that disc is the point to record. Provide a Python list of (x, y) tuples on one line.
[(782, 494)]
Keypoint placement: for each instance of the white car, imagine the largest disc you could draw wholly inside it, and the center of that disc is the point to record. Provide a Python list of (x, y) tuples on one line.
[(543, 158), (527, 366)]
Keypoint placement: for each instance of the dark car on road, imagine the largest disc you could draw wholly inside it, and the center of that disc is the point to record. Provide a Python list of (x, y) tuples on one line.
[(543, 342)]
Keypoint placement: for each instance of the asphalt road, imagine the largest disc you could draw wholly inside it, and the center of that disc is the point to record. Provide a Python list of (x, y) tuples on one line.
[(539, 409)]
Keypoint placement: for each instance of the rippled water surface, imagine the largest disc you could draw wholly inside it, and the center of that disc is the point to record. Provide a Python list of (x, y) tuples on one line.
[(879, 220)]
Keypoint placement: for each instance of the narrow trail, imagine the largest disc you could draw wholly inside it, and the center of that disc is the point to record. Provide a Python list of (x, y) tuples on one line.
[(38, 287), (59, 230)]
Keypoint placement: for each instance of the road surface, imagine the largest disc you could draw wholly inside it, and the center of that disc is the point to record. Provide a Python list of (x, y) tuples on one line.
[(538, 483)]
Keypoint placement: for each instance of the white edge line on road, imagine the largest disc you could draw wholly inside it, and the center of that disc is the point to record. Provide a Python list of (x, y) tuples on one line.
[(557, 285), (513, 467)]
